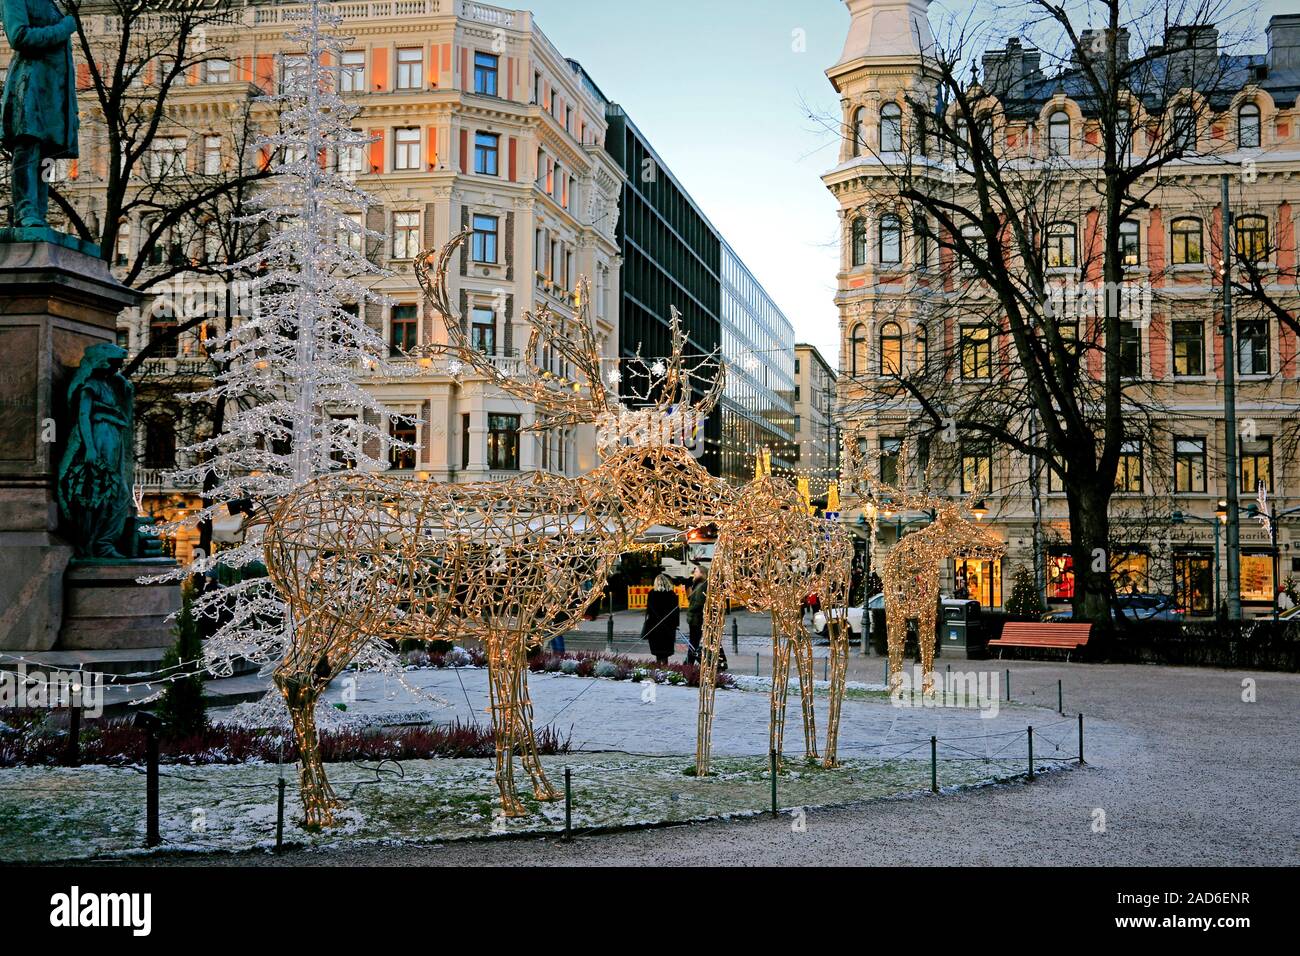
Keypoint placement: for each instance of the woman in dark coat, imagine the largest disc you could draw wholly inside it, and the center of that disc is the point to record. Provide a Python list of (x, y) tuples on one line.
[(662, 618)]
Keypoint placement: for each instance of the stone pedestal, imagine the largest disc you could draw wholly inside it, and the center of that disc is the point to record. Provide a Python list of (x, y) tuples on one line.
[(55, 299), (108, 608)]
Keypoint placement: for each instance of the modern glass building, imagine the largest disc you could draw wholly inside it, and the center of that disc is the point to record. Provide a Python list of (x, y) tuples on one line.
[(758, 402), (673, 256)]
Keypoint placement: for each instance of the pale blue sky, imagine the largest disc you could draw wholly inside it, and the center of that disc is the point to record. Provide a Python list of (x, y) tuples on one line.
[(720, 87)]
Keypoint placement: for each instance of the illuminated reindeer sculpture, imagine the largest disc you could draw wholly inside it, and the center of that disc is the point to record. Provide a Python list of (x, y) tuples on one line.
[(910, 570), (361, 556)]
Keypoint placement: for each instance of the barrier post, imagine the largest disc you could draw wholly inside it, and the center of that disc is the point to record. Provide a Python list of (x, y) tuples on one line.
[(568, 804), (1081, 739), (773, 758), (1031, 751), (609, 634), (1060, 699), (152, 838), (1008, 685), (934, 764), (72, 755), (279, 814), (735, 636)]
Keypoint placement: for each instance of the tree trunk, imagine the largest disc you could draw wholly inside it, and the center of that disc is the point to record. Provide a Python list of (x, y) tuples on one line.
[(1089, 548)]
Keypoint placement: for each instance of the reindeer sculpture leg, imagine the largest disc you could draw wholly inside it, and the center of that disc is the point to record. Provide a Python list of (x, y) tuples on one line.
[(928, 592), (313, 660), (715, 611), (780, 685), (837, 628), (542, 788), (503, 687), (802, 646)]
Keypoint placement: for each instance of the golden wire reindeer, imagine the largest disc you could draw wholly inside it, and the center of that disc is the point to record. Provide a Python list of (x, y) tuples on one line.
[(910, 570), (362, 556)]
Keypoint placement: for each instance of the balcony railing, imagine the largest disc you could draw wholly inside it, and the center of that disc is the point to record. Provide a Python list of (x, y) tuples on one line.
[(388, 10)]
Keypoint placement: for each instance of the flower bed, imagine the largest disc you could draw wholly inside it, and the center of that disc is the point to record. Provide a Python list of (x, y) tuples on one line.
[(578, 663), (31, 741)]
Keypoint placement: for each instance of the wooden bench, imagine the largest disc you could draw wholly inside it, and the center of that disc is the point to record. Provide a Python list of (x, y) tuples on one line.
[(1061, 636)]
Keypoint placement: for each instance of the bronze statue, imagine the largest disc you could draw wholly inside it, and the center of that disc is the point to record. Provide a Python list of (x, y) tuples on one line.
[(40, 102), (98, 466)]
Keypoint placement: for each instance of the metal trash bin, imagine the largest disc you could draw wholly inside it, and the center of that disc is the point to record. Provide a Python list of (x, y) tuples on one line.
[(961, 628)]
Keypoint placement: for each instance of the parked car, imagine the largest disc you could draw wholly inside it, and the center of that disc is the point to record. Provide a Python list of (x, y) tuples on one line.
[(877, 604), (1134, 607)]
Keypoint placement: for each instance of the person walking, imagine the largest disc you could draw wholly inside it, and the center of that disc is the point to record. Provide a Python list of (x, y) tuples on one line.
[(695, 618), (662, 618)]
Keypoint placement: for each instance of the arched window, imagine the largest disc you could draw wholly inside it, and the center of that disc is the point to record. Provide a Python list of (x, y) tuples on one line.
[(1058, 134), (859, 132), (1186, 248), (972, 240), (1248, 126), (860, 241), (161, 329), (891, 349), (891, 239), (1183, 133), (1062, 251), (1252, 238), (159, 443), (858, 351), (922, 347), (891, 128)]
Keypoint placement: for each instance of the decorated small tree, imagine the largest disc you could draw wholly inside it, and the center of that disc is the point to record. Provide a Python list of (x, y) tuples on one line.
[(181, 708), (1025, 602)]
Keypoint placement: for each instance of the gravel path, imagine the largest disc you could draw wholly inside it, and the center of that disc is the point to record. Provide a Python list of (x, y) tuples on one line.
[(1185, 772)]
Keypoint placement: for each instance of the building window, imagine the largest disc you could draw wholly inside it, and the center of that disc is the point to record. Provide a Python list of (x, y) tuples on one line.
[(1189, 465), (1183, 133), (1058, 134), (1257, 577), (1061, 249), (483, 243), (211, 155), (972, 238), (1128, 476), (891, 239), (976, 352), (167, 157), (483, 332), (1187, 250), (858, 351), (859, 132), (860, 241), (922, 348), (1130, 246), (503, 442), (350, 159), (216, 71), (1060, 576), (891, 128), (403, 329), (1194, 582), (486, 146), (1189, 348), (889, 450), (1130, 350), (159, 443), (976, 467), (348, 233), (406, 148), (401, 456), (122, 248), (162, 330), (1257, 465), (1248, 126), (352, 72), (410, 68), (1131, 572), (983, 579), (1252, 347), (406, 235), (485, 74), (1123, 133), (891, 349), (1252, 238)]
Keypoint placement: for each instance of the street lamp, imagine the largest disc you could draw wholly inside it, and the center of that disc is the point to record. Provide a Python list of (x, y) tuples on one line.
[(979, 510)]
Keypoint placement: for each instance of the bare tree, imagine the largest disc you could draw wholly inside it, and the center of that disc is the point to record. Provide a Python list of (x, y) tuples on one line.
[(1032, 313)]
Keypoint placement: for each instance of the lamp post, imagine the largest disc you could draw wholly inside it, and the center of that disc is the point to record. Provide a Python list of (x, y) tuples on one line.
[(1230, 414)]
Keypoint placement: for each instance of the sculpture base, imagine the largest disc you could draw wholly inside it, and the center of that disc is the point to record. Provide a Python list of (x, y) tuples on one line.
[(51, 236), (107, 607)]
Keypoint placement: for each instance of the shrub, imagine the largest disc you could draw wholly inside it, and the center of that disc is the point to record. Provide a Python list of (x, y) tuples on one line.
[(182, 708), (610, 670)]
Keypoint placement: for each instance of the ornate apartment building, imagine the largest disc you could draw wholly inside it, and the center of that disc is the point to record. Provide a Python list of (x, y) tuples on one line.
[(816, 432), (900, 301), (477, 122)]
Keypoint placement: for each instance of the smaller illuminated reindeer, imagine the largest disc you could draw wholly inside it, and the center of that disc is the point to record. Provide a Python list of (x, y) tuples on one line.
[(910, 570)]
